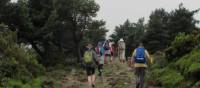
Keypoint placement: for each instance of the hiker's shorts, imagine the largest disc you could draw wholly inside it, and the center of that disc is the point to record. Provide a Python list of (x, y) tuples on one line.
[(140, 74), (90, 70), (122, 54), (140, 71), (111, 53)]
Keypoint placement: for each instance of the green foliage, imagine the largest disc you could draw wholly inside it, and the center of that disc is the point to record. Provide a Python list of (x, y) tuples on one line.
[(15, 84), (35, 83), (96, 31), (156, 36), (195, 67), (178, 47), (181, 62), (166, 77), (171, 78), (189, 64), (180, 39), (17, 61), (181, 20), (153, 78), (164, 26), (159, 61), (132, 33), (52, 27)]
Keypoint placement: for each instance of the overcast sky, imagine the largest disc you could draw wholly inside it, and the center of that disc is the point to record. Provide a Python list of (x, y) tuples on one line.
[(115, 12)]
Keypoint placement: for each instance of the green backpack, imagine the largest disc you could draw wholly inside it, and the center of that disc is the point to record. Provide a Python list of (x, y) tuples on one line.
[(88, 57)]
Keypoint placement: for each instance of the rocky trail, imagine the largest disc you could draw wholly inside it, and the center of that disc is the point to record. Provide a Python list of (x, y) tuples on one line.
[(117, 75)]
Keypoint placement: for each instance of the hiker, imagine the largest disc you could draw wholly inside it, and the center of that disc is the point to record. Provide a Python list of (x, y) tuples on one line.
[(111, 45), (90, 61), (121, 50), (140, 59), (107, 51), (100, 52)]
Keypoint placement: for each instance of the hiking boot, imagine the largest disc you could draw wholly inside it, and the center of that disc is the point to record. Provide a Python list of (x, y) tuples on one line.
[(137, 85), (93, 86)]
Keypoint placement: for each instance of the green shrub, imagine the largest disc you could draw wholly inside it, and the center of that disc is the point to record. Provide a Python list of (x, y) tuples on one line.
[(171, 78), (35, 83), (182, 67), (153, 78), (166, 77), (178, 47), (159, 61), (190, 63), (16, 62), (195, 67), (14, 84)]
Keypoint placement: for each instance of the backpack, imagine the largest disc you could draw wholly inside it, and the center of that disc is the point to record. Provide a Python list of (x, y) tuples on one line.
[(102, 51), (140, 55), (106, 46), (88, 57)]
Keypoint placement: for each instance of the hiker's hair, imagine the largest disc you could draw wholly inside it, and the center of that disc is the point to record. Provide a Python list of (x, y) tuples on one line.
[(87, 43), (140, 44)]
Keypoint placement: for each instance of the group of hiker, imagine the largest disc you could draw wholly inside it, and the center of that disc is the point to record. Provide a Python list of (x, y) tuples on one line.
[(105, 53)]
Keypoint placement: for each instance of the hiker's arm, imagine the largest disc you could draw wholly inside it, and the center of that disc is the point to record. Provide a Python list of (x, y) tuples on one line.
[(95, 57), (148, 56)]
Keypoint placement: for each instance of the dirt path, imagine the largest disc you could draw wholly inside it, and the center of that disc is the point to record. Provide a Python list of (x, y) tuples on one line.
[(117, 75)]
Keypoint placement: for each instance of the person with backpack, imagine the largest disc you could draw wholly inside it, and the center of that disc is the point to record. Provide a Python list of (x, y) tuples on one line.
[(140, 59), (101, 53), (107, 51), (111, 45), (121, 49), (90, 61)]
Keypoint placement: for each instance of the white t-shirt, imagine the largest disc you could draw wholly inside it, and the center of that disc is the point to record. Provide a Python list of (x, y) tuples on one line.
[(121, 45)]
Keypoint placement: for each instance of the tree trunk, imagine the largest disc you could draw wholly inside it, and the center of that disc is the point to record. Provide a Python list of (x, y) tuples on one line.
[(77, 42), (79, 52)]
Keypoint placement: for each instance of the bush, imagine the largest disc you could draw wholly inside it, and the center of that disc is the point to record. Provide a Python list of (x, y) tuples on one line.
[(159, 61), (181, 66), (182, 45), (189, 65), (35, 83), (166, 77), (177, 48), (16, 62), (153, 78), (171, 78)]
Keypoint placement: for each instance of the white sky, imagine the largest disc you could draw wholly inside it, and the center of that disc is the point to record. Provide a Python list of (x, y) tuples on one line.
[(115, 12)]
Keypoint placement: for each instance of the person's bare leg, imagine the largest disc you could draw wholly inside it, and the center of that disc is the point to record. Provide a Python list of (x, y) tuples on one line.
[(105, 59), (111, 60), (93, 79), (123, 53), (120, 57), (90, 80)]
